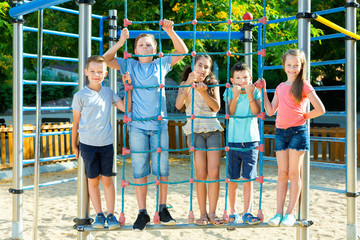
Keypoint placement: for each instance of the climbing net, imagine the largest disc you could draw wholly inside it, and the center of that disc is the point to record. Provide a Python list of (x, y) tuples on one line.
[(260, 23)]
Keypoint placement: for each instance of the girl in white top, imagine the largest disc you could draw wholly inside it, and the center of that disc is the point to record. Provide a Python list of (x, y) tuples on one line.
[(206, 134)]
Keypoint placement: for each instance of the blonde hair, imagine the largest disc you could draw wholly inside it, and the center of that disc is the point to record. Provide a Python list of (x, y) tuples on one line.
[(298, 84), (146, 35), (95, 58)]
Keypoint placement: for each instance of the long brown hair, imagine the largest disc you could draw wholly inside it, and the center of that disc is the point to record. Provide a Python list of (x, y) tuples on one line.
[(210, 79), (298, 84)]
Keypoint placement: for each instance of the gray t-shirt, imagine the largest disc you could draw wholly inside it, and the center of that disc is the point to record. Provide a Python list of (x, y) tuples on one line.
[(95, 107)]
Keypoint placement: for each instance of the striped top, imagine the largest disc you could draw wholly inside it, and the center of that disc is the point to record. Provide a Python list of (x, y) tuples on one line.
[(201, 125)]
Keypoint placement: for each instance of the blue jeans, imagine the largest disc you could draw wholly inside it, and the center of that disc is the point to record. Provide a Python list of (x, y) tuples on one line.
[(292, 138), (248, 160), (144, 140)]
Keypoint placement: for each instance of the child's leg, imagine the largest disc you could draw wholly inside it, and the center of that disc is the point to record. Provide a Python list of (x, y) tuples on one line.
[(163, 190), (214, 160), (201, 174), (247, 192), (141, 192), (109, 191), (282, 158), (295, 162), (94, 192), (232, 196)]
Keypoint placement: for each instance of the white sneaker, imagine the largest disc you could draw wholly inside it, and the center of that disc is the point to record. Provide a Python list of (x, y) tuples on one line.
[(288, 221), (275, 221)]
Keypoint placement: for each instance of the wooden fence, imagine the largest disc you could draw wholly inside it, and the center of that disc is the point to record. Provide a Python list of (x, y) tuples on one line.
[(58, 145)]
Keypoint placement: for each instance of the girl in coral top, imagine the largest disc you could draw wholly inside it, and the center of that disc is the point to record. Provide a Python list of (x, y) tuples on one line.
[(291, 132)]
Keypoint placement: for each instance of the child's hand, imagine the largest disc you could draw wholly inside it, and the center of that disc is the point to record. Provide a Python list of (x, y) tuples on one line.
[(191, 78), (124, 35), (126, 78), (249, 88), (201, 87), (259, 84), (236, 89), (168, 25), (76, 151)]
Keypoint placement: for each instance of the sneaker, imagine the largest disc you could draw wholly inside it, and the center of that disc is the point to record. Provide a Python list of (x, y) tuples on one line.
[(275, 221), (165, 217), (288, 221), (141, 222), (99, 221), (112, 222)]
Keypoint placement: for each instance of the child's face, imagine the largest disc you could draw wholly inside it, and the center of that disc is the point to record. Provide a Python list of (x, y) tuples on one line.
[(241, 78), (202, 68), (96, 72), (145, 46), (292, 67)]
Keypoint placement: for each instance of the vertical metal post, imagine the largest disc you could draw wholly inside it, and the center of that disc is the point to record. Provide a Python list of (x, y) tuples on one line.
[(38, 124), (17, 184), (248, 44), (113, 86), (304, 45), (351, 138), (84, 53)]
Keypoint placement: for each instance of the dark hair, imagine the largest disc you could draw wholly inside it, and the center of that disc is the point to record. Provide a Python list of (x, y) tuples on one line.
[(95, 58), (298, 84), (238, 67)]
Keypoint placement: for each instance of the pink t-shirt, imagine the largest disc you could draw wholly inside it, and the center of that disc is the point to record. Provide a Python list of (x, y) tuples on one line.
[(290, 114)]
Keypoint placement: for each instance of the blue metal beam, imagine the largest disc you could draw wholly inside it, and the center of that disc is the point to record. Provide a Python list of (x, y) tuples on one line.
[(34, 6)]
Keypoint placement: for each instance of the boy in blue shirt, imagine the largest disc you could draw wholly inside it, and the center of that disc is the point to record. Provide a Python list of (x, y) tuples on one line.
[(91, 109), (243, 100), (144, 135)]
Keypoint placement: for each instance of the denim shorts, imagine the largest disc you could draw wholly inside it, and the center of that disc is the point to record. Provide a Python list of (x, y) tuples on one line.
[(97, 160), (206, 140), (247, 158), (145, 140), (292, 138)]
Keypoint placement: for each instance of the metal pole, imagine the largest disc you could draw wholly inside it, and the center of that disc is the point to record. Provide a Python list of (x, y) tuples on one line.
[(84, 53), (248, 44), (351, 138), (304, 45), (17, 184), (113, 86), (38, 124)]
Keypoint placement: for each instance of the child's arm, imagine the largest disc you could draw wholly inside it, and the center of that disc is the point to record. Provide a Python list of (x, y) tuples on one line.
[(232, 103), (184, 92), (121, 103), (179, 45), (319, 108), (270, 108), (254, 105), (75, 134), (110, 54), (212, 102)]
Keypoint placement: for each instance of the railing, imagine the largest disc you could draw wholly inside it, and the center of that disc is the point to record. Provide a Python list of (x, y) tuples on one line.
[(59, 144)]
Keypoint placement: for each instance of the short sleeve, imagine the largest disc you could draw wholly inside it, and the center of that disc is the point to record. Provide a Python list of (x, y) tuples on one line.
[(115, 97), (257, 94), (228, 94), (76, 103), (121, 63), (166, 63), (307, 88)]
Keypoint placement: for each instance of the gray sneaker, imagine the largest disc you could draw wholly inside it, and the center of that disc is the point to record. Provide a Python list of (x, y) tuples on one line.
[(112, 222), (99, 221)]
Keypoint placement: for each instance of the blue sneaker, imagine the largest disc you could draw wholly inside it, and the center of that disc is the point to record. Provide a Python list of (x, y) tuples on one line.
[(99, 221), (112, 222)]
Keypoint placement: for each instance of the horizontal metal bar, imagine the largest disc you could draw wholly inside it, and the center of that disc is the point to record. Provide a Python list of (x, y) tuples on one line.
[(25, 135), (49, 159), (51, 183), (328, 11), (57, 33), (328, 139), (47, 57), (75, 12), (46, 108), (33, 6), (190, 34), (330, 88), (33, 82)]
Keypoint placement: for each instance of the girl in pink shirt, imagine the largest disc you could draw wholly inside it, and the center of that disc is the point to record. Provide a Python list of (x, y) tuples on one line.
[(291, 132)]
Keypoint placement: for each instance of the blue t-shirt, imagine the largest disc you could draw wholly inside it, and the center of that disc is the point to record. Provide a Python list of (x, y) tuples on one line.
[(242, 130), (95, 108), (146, 101)]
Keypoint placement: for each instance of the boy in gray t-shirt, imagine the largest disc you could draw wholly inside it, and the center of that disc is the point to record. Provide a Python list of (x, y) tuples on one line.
[(91, 109)]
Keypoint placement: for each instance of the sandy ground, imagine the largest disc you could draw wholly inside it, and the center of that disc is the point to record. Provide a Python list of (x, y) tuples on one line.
[(58, 207)]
